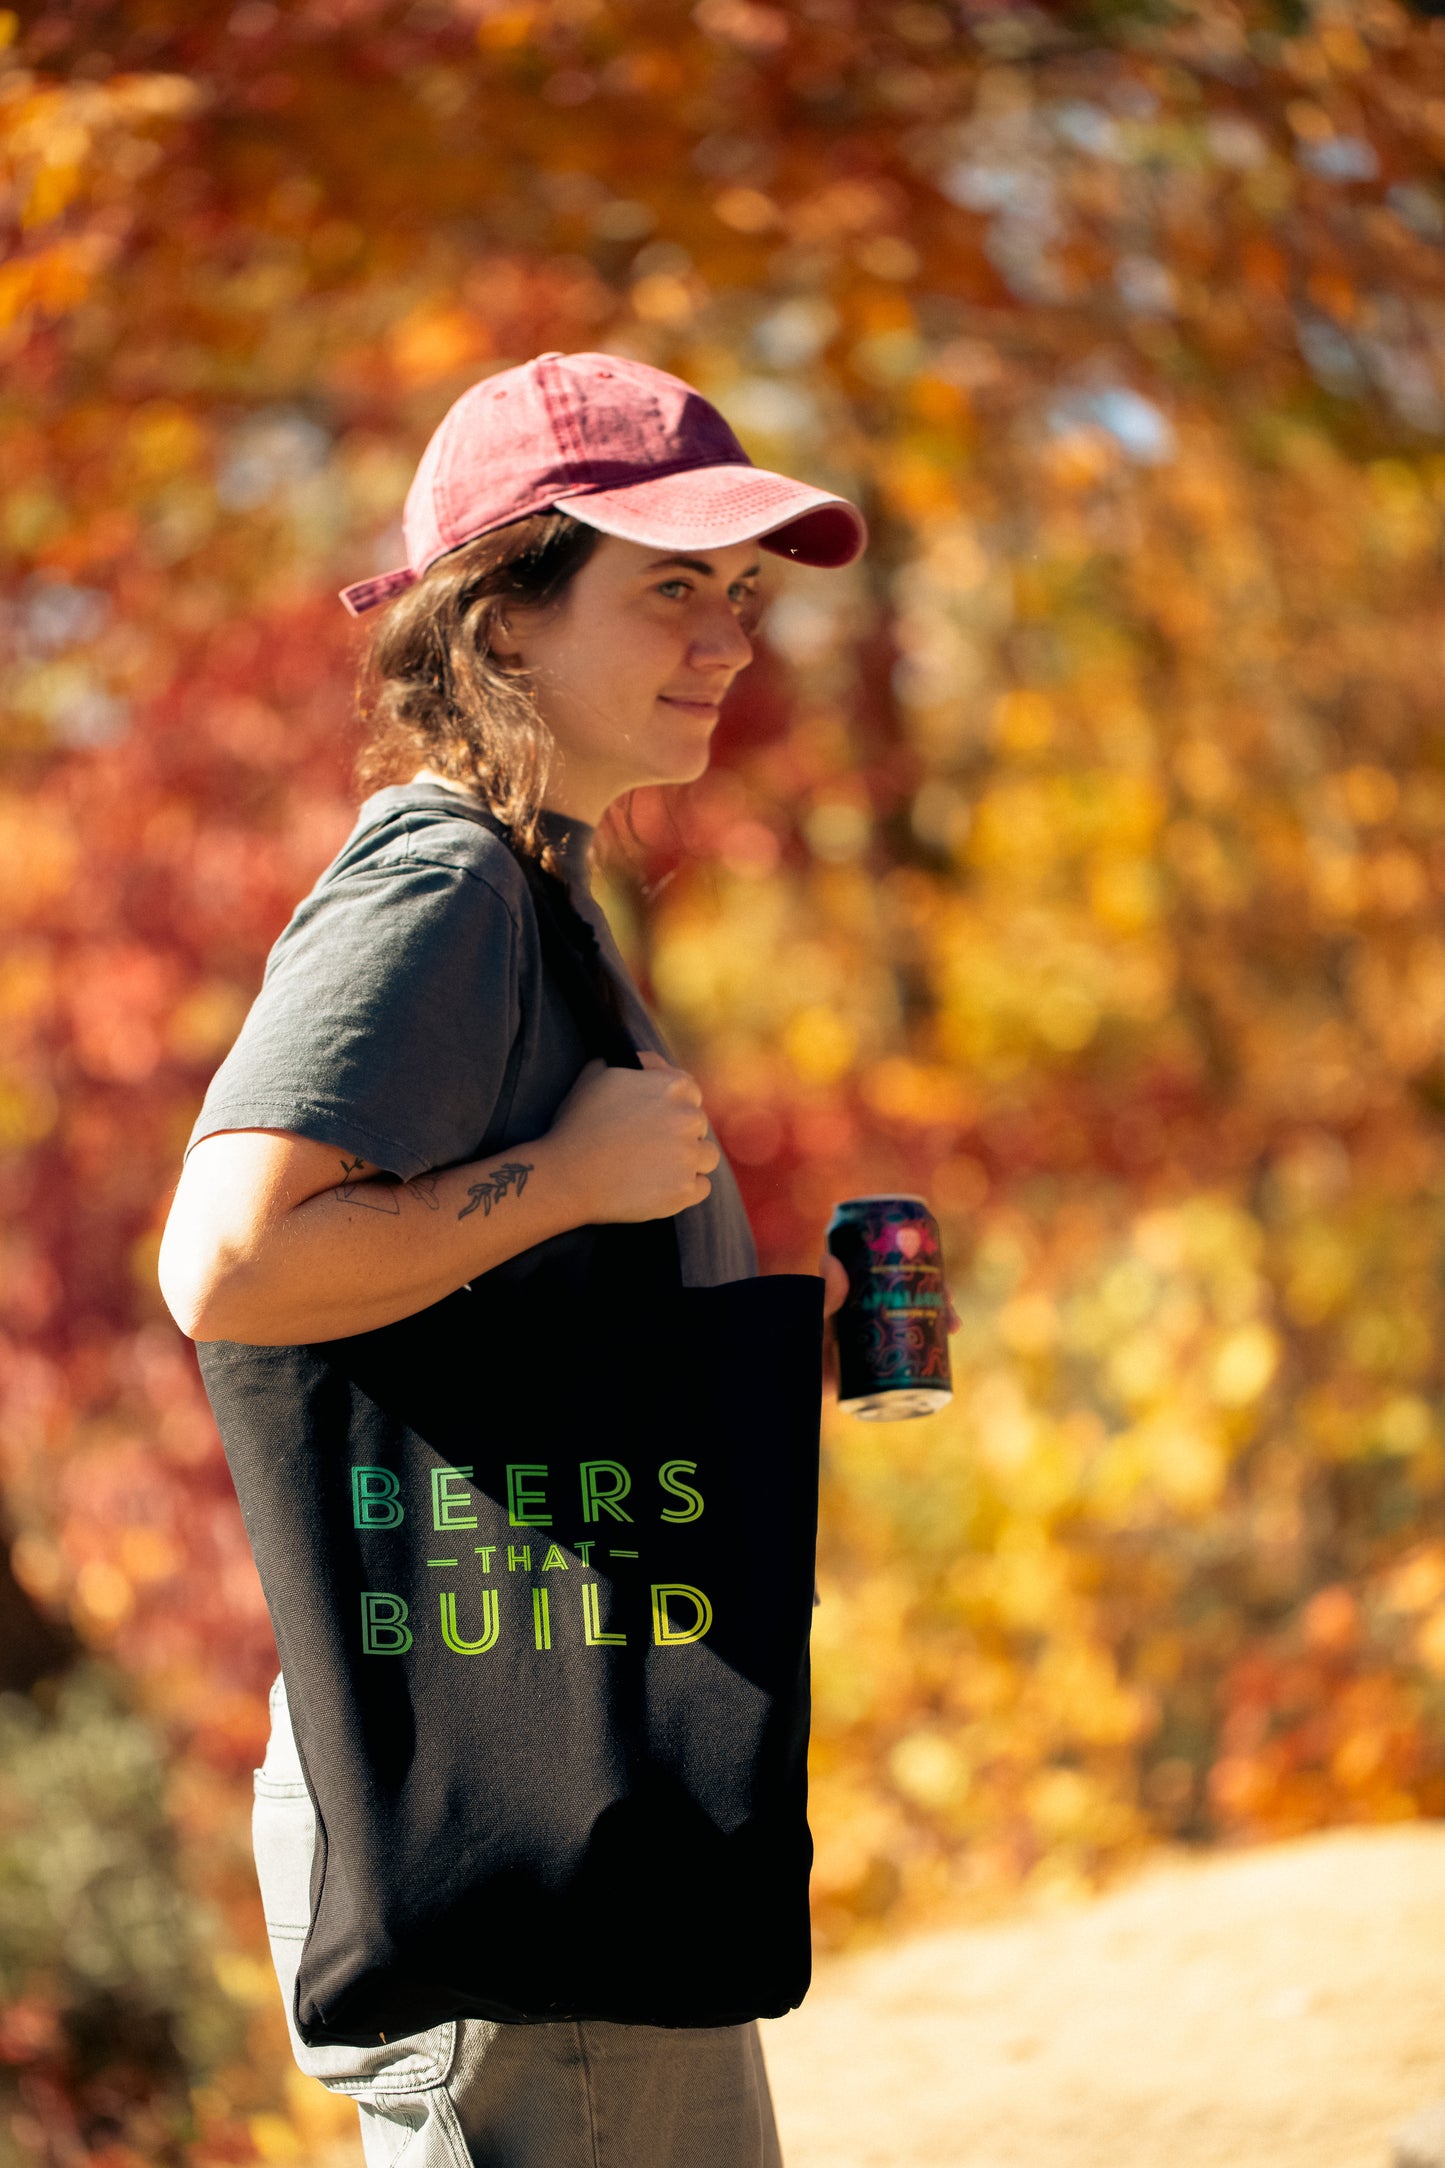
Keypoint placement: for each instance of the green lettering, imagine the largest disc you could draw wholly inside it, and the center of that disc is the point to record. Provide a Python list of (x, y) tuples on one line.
[(592, 1632), (664, 1633), (554, 1562), (384, 1631), (521, 1498), (448, 1506), (519, 1555), (667, 1476), (541, 1618), (484, 1552), (376, 1499), (598, 1496), (584, 1550), (491, 1625)]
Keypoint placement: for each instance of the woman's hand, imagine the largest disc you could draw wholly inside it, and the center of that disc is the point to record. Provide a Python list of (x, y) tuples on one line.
[(634, 1141)]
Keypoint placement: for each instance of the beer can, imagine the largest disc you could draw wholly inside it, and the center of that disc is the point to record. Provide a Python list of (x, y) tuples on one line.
[(892, 1330)]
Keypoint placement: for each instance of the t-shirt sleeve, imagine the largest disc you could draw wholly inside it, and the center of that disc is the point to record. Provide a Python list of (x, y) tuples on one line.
[(385, 1020)]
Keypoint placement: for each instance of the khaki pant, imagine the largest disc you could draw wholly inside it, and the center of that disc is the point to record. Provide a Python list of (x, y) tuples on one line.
[(471, 2094)]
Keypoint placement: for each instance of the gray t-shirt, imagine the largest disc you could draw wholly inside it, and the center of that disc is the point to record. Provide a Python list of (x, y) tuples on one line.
[(404, 1018)]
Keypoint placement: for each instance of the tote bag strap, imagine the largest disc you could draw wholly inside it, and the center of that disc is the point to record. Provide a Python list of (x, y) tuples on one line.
[(573, 961), (571, 956)]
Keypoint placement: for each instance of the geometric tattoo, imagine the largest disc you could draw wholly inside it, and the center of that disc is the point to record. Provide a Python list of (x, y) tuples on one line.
[(491, 1189), (375, 1199), (383, 1194)]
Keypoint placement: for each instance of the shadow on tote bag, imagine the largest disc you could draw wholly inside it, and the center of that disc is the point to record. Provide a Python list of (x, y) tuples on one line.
[(539, 1561)]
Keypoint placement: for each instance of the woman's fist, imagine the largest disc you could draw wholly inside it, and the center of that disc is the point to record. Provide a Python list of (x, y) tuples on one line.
[(634, 1141)]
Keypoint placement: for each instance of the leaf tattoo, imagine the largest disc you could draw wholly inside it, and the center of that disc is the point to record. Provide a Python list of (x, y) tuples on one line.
[(512, 1174)]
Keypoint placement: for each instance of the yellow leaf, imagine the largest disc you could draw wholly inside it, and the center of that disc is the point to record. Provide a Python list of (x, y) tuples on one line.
[(820, 1044), (1244, 1365)]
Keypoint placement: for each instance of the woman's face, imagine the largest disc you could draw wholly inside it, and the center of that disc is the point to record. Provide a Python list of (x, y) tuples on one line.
[(631, 666)]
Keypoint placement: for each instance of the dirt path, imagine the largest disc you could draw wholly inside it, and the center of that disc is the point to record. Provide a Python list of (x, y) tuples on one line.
[(1275, 2009)]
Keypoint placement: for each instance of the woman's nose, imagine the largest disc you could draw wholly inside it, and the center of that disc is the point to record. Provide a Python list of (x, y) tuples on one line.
[(722, 642)]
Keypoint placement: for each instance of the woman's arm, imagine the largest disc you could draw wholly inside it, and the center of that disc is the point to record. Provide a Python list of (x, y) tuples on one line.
[(275, 1240)]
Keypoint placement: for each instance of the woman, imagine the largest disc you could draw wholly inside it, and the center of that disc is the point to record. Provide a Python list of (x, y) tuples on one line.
[(409, 1104)]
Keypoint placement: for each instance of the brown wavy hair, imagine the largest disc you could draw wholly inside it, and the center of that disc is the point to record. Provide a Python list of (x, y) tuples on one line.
[(434, 693)]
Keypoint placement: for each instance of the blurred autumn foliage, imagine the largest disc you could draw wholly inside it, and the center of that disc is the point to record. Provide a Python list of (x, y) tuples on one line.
[(1077, 860)]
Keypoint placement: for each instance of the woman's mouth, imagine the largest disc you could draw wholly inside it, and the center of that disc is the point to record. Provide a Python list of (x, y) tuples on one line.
[(701, 710)]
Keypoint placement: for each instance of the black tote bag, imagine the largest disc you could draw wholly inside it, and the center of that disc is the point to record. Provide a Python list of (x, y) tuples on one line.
[(539, 1561)]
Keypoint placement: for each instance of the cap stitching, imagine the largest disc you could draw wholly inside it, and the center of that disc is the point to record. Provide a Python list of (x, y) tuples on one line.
[(441, 491), (660, 473), (564, 424)]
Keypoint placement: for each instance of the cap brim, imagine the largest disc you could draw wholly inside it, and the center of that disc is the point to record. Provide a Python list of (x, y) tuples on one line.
[(710, 508)]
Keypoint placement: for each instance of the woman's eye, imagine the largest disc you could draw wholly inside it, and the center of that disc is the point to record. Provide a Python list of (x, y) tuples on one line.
[(673, 587)]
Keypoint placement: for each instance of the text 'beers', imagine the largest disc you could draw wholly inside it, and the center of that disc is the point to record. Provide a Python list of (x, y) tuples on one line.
[(376, 1500)]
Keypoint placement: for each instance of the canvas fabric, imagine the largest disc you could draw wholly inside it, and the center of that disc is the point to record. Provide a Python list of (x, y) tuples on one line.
[(474, 2094)]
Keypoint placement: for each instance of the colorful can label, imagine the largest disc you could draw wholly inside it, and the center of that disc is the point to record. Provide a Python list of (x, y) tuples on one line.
[(892, 1331)]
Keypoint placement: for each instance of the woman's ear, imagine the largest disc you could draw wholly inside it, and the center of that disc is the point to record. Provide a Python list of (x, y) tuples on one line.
[(502, 648)]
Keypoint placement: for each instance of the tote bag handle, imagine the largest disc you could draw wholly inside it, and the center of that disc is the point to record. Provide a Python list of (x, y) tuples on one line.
[(644, 1250)]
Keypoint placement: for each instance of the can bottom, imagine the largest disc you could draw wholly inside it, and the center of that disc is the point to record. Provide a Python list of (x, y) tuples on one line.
[(897, 1404)]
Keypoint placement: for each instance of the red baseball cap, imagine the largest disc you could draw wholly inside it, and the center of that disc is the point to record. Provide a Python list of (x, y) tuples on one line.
[(623, 447)]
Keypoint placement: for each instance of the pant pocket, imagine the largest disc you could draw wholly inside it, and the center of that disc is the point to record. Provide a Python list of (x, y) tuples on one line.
[(283, 1835), (416, 2130)]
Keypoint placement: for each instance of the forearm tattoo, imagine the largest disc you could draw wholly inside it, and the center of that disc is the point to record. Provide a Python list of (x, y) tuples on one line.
[(383, 1193), (511, 1175)]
